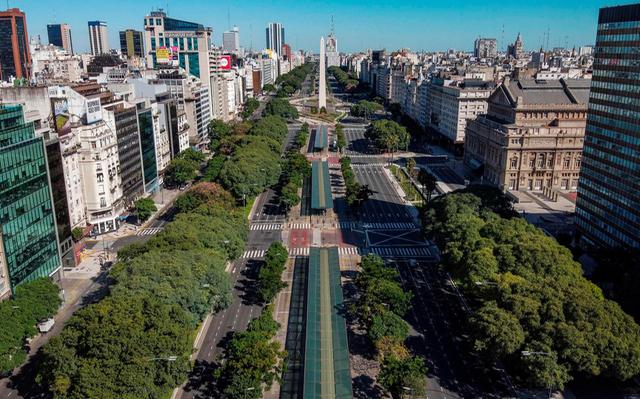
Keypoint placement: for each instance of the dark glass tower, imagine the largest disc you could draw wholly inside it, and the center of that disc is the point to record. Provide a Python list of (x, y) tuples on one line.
[(15, 58), (28, 240), (608, 204)]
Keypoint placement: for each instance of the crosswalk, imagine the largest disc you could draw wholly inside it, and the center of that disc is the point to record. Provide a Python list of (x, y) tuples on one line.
[(253, 254), (358, 166), (299, 226), (394, 252), (400, 252), (266, 226), (149, 231), (377, 226)]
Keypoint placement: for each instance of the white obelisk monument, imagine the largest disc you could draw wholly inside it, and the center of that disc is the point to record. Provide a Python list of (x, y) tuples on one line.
[(322, 86)]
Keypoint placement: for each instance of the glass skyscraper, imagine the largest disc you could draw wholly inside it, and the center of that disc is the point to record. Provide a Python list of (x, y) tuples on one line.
[(608, 204), (28, 242)]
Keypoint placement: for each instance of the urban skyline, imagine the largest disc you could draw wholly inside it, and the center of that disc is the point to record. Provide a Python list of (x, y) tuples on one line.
[(571, 24)]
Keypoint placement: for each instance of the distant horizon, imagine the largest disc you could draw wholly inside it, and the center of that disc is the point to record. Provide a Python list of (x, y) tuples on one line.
[(417, 26)]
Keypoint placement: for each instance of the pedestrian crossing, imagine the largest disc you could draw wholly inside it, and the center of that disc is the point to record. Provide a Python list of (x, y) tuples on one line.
[(378, 226), (358, 166), (299, 226), (254, 254), (266, 226), (399, 252), (149, 231)]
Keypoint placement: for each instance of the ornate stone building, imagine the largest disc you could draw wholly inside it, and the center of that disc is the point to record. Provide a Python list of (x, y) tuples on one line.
[(531, 136)]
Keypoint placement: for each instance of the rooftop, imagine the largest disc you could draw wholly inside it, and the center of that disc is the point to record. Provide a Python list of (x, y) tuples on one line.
[(547, 92)]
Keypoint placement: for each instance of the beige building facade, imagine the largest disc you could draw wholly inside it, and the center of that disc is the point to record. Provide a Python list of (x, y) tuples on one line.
[(532, 135)]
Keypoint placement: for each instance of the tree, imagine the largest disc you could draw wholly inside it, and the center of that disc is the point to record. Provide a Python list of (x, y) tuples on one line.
[(411, 168), (398, 373), (290, 197), (387, 324), (428, 182), (365, 108), (145, 207), (281, 107), (180, 171), (268, 88), (497, 332), (341, 141), (270, 274), (77, 233), (388, 135)]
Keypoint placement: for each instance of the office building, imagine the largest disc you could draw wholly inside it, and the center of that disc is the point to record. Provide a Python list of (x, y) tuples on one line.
[(275, 37), (485, 48), (60, 36), (531, 136), (98, 37), (15, 58), (231, 41), (123, 120), (286, 52), (148, 146), (172, 42), (132, 43), (608, 204), (28, 237)]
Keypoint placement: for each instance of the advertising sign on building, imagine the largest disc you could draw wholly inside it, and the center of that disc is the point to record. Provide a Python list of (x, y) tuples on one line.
[(94, 110), (225, 62), (61, 116), (163, 55)]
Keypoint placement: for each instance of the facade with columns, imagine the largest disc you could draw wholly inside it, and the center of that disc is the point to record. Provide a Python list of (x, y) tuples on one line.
[(532, 135)]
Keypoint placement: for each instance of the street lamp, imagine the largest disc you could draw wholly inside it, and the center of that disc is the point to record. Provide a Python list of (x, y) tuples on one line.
[(480, 283), (171, 358)]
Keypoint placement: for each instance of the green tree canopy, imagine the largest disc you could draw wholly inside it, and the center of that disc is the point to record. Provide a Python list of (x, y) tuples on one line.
[(388, 135), (145, 207)]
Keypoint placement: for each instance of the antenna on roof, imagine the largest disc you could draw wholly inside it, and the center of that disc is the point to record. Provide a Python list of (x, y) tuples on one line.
[(229, 16), (332, 26), (502, 39)]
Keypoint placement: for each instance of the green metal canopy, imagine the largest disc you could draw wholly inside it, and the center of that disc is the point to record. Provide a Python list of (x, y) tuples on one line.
[(321, 141), (326, 360), (320, 186)]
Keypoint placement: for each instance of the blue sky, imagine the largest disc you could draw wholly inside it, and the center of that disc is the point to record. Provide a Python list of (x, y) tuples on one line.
[(418, 25)]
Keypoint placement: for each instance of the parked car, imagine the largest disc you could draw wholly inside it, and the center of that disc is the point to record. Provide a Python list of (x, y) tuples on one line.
[(46, 325)]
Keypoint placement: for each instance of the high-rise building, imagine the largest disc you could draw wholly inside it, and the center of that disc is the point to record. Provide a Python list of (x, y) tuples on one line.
[(147, 143), (98, 37), (485, 48), (170, 41), (60, 35), (15, 58), (132, 43), (286, 52), (333, 57), (275, 37), (28, 236), (608, 203), (231, 40)]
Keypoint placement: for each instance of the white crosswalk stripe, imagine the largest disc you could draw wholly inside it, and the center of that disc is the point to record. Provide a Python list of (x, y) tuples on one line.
[(348, 250), (298, 251), (386, 226), (149, 231), (399, 252), (266, 226), (299, 226), (254, 254)]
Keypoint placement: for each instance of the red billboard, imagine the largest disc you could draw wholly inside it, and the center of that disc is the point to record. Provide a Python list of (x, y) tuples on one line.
[(225, 62)]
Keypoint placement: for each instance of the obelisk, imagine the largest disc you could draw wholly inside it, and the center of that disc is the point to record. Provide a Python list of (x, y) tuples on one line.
[(322, 86)]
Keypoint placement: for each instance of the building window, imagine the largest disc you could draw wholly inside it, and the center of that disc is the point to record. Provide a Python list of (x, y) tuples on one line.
[(514, 163), (567, 163), (103, 202)]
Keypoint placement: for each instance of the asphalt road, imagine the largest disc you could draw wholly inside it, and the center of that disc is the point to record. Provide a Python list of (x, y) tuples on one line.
[(268, 213), (437, 315)]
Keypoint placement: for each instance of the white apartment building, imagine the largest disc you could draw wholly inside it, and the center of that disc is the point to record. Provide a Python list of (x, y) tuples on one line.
[(451, 103), (99, 170), (69, 146), (231, 40), (51, 65)]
